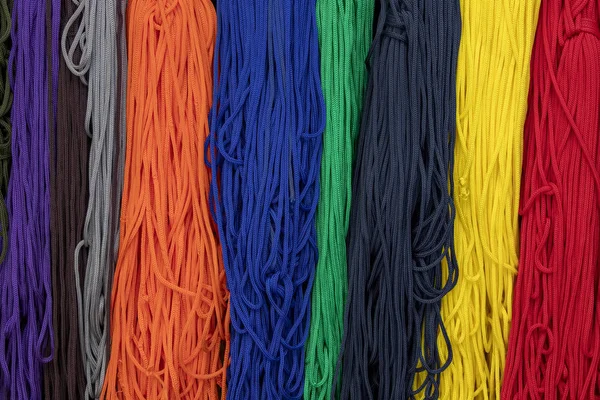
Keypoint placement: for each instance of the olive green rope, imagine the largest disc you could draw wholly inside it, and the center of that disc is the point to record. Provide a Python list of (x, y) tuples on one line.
[(345, 28), (5, 127)]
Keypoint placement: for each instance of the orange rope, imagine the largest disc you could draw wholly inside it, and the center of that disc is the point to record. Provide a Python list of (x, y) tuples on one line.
[(170, 314)]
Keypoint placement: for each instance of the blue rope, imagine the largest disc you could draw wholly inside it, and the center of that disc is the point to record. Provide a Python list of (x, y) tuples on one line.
[(265, 149), (400, 240)]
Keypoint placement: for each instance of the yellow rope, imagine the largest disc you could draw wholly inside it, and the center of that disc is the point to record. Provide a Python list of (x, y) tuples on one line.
[(492, 84)]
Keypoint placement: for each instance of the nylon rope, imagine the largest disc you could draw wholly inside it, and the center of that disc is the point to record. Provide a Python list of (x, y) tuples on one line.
[(492, 84), (265, 151), (169, 308), (401, 260), (554, 342), (5, 125), (345, 32), (64, 377), (92, 54), (26, 337)]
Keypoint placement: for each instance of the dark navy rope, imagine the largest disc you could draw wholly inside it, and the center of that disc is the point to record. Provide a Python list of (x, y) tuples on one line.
[(401, 226)]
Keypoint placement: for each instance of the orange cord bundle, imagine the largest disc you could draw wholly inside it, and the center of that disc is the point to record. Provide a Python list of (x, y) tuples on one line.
[(170, 315)]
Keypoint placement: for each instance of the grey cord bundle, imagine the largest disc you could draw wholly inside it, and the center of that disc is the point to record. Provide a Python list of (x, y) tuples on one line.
[(100, 66), (400, 241)]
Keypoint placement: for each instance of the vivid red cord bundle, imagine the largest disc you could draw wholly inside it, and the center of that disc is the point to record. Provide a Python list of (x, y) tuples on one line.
[(554, 345)]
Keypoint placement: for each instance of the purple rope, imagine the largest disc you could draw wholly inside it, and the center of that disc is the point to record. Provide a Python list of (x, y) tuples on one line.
[(26, 339)]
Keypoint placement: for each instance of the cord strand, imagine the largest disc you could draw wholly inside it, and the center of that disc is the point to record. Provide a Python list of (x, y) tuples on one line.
[(89, 45), (64, 377), (5, 124)]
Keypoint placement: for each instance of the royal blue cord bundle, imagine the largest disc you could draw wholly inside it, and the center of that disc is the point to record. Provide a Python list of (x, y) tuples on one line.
[(265, 149)]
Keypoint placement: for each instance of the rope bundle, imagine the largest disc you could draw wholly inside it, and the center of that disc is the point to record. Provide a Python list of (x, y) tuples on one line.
[(492, 83), (5, 126), (169, 315), (93, 56), (26, 338), (344, 35), (400, 242), (64, 377), (554, 347), (265, 151)]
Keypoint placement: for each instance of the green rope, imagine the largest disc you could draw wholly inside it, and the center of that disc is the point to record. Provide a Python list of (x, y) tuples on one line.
[(345, 28)]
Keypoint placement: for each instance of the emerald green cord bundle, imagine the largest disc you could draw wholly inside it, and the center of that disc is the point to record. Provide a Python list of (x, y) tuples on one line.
[(344, 38)]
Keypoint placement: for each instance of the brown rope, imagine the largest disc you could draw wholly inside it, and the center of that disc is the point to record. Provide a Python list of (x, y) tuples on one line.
[(64, 377)]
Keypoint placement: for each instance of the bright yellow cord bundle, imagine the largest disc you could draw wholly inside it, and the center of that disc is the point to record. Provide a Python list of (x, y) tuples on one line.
[(492, 85)]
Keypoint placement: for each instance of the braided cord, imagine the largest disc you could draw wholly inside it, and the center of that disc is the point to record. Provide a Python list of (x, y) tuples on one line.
[(90, 48), (345, 30), (554, 341), (68, 200), (265, 151), (169, 310), (492, 84), (26, 337), (401, 258), (5, 124)]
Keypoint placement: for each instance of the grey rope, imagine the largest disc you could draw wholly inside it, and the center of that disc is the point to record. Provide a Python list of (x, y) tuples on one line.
[(96, 24)]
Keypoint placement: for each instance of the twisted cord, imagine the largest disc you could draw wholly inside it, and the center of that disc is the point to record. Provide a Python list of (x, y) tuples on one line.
[(401, 260)]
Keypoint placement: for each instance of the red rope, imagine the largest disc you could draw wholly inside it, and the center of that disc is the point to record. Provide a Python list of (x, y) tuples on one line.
[(554, 345)]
